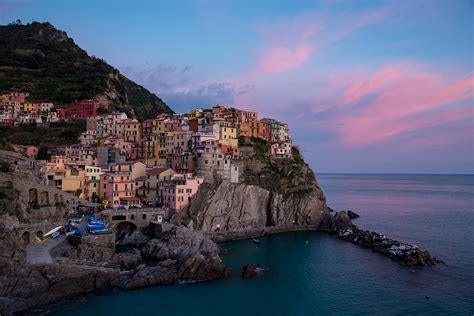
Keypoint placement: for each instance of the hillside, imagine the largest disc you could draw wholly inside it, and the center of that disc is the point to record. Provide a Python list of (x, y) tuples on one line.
[(57, 134), (39, 59)]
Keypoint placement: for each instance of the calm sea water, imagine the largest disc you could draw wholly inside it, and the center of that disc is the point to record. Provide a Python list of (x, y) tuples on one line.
[(313, 273)]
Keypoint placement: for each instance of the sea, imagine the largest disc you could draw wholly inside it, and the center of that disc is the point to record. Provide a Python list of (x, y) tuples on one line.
[(313, 273)]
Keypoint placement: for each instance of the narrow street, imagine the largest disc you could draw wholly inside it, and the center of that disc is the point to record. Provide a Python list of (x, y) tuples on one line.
[(39, 253)]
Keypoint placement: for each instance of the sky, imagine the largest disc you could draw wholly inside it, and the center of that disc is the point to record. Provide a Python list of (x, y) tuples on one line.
[(365, 86)]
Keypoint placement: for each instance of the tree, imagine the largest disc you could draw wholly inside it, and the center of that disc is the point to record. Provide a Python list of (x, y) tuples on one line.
[(17, 22), (43, 154), (102, 110)]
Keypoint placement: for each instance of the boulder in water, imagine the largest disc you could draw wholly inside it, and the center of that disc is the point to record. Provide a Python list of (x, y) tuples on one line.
[(253, 270), (352, 215), (342, 220)]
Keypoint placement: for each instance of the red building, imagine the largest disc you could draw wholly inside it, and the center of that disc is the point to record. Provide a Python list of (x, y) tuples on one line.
[(82, 109), (8, 122)]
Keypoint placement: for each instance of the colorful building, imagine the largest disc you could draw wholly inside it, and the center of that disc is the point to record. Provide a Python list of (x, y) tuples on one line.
[(82, 109), (281, 150), (177, 193), (114, 187), (154, 180)]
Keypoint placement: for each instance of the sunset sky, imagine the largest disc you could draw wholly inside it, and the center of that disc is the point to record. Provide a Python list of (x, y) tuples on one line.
[(366, 86)]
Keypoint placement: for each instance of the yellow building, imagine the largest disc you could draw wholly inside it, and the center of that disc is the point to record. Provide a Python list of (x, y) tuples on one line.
[(29, 107), (72, 180), (159, 126), (131, 131), (226, 131), (195, 113)]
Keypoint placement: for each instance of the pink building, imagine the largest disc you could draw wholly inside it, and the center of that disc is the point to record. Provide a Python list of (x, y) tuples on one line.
[(27, 151), (117, 188), (177, 193)]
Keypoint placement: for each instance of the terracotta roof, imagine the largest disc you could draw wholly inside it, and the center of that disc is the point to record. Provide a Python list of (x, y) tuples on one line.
[(156, 171)]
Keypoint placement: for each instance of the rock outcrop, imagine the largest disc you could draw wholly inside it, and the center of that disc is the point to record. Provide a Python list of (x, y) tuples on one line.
[(182, 254), (88, 248), (342, 220), (135, 239), (273, 195), (250, 209), (253, 270)]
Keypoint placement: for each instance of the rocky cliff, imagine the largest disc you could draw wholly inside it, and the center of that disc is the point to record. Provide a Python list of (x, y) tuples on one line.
[(273, 195)]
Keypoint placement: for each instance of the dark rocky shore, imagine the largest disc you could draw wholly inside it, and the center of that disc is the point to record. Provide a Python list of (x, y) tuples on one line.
[(404, 253), (181, 255), (92, 266)]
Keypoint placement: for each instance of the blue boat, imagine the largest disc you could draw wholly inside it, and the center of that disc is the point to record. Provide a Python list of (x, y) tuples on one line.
[(257, 241), (97, 222), (95, 227)]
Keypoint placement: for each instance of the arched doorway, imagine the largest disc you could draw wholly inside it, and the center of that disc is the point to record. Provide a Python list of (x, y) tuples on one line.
[(26, 237), (39, 234), (44, 198), (33, 196)]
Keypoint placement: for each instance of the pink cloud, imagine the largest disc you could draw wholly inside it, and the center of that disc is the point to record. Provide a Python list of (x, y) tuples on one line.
[(278, 59), (360, 131), (404, 98), (290, 44)]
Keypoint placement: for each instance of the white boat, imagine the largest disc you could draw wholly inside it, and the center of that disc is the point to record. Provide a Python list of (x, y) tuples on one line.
[(52, 231)]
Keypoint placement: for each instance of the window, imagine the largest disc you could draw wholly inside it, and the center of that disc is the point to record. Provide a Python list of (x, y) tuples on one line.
[(144, 216)]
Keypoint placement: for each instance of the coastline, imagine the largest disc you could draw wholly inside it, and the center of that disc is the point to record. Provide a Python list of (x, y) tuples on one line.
[(221, 237)]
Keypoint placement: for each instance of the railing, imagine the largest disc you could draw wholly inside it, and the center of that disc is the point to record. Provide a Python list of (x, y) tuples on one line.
[(133, 210)]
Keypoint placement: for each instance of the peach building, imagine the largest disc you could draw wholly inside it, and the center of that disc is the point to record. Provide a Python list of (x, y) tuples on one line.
[(177, 193), (116, 188), (136, 169)]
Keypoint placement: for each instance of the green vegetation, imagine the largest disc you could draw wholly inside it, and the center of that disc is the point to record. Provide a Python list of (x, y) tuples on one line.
[(4, 166), (291, 177), (4, 145), (43, 61), (43, 154), (58, 134)]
